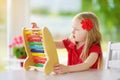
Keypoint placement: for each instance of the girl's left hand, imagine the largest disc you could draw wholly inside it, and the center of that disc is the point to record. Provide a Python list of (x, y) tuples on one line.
[(61, 69)]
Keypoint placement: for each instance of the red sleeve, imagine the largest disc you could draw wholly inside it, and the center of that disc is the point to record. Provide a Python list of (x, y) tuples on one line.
[(95, 48), (66, 43)]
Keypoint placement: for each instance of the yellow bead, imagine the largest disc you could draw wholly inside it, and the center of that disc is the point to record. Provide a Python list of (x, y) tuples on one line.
[(38, 54)]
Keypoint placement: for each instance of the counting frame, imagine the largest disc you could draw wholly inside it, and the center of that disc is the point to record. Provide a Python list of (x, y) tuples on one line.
[(40, 49)]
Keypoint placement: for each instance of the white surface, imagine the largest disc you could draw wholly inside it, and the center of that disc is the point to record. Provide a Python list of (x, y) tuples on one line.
[(85, 75)]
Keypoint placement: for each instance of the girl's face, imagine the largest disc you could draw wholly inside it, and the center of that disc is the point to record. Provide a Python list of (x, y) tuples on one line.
[(79, 34)]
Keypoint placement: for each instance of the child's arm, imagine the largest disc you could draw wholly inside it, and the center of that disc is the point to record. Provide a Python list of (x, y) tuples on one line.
[(60, 69), (59, 44), (86, 64)]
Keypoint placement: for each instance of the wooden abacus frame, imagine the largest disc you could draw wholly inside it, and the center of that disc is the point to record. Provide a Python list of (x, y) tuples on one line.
[(49, 47)]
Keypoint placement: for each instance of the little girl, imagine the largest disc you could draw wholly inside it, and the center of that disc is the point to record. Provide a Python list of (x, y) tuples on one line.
[(83, 46)]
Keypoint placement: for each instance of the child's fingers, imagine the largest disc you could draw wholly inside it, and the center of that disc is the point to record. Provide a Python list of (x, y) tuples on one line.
[(57, 71), (56, 68), (57, 65)]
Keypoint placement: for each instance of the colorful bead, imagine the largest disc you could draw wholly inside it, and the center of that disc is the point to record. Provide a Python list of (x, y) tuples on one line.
[(37, 50), (35, 43), (28, 32), (36, 47), (39, 60), (38, 54), (39, 65)]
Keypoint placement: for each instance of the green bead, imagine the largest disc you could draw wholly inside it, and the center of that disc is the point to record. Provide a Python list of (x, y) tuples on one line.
[(35, 43), (39, 65)]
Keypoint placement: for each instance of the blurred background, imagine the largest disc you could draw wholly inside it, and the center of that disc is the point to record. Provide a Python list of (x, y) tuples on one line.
[(57, 16)]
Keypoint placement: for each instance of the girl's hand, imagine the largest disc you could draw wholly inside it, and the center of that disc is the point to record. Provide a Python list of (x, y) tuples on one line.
[(61, 69)]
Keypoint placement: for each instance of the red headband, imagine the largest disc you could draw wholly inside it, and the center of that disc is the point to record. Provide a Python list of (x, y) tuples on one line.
[(87, 24)]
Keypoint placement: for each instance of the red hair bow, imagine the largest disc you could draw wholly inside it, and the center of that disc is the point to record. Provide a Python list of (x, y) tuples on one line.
[(87, 24)]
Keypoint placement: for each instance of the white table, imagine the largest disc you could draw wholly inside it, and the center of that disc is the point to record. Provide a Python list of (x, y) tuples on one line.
[(85, 75)]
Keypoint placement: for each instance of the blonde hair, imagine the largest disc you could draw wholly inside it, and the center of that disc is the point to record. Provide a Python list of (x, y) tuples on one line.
[(93, 36)]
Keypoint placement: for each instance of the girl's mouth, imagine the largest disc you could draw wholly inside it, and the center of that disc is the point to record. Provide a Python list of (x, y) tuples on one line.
[(73, 36), (76, 42)]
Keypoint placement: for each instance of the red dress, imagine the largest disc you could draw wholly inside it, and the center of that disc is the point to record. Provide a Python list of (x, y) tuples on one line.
[(73, 53)]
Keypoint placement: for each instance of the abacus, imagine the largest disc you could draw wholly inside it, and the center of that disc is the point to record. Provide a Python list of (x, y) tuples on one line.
[(40, 49)]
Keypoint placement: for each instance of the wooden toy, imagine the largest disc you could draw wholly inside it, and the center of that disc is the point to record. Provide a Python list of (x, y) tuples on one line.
[(40, 49)]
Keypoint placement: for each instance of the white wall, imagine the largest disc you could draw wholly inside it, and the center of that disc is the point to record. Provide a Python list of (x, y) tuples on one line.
[(17, 18)]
